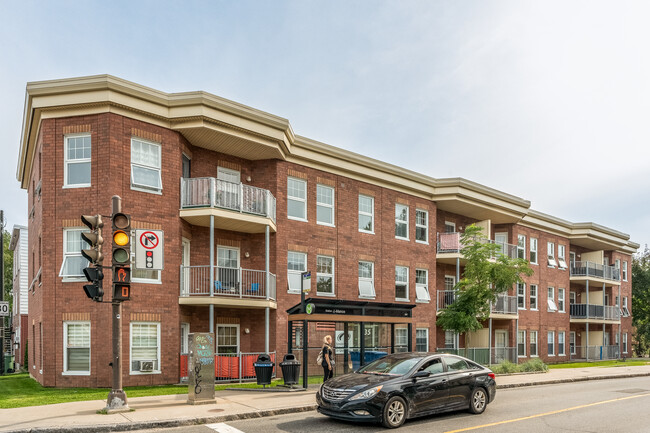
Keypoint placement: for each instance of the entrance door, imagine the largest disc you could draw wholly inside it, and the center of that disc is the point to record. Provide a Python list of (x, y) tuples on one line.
[(228, 186), (228, 277), (185, 280), (500, 345)]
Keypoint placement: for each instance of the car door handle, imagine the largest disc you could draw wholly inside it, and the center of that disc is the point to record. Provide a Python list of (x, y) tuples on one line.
[(444, 380)]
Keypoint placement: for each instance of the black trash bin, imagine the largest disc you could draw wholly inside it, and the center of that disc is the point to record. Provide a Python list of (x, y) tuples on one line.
[(263, 369), (290, 369)]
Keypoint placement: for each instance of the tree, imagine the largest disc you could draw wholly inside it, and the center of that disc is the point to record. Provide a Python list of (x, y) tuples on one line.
[(641, 300), (483, 279), (8, 270)]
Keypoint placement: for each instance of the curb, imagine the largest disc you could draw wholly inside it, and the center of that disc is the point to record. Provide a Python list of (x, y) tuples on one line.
[(132, 426)]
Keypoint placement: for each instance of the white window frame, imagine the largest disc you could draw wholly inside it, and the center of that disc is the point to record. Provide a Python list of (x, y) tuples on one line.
[(521, 295), (185, 338), (329, 207), (624, 309), (535, 297), (561, 343), (424, 226), (326, 275), (295, 276), (234, 326), (402, 283), (533, 343), (158, 360), (68, 254), (624, 271), (425, 337), (451, 278), (572, 342), (298, 199), (521, 247), (367, 283), (67, 162), (367, 214), (533, 250), (521, 339), (401, 337), (550, 299), (550, 252), (561, 300), (66, 370), (450, 225), (450, 336), (422, 289), (561, 257), (228, 175), (399, 221), (624, 342), (143, 187), (550, 343)]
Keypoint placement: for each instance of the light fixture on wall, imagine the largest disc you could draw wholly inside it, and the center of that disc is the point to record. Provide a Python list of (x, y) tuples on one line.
[(248, 178), (247, 331), (247, 254)]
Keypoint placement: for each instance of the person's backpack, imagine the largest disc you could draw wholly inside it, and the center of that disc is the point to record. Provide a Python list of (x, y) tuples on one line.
[(319, 358)]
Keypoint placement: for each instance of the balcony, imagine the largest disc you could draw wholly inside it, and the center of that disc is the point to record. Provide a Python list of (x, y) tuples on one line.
[(484, 355), (235, 206), (505, 307), (581, 272), (450, 246), (233, 287), (581, 313)]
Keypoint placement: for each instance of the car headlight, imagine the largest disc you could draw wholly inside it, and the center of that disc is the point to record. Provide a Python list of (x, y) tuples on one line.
[(368, 393)]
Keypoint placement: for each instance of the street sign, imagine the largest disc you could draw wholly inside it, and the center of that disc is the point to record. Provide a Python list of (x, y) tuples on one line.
[(149, 251), (4, 309), (306, 281)]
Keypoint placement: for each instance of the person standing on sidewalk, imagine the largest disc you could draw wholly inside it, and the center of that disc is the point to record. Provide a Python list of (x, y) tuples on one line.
[(328, 361)]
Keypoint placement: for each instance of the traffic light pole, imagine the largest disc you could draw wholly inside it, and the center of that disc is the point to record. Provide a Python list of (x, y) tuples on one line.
[(117, 397)]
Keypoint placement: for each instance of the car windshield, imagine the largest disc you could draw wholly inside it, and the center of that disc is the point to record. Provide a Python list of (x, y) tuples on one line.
[(391, 366)]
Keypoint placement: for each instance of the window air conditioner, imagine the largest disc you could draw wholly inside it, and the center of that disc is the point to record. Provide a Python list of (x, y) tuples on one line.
[(146, 365)]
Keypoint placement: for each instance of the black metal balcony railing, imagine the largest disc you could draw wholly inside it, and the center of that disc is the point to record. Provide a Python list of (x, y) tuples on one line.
[(211, 192), (595, 270), (591, 311)]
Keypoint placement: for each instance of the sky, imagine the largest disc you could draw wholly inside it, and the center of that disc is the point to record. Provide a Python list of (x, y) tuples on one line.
[(545, 100)]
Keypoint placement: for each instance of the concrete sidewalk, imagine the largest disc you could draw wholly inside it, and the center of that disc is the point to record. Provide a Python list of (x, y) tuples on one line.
[(173, 411)]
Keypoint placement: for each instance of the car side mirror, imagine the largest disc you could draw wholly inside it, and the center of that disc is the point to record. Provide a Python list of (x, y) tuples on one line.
[(422, 373)]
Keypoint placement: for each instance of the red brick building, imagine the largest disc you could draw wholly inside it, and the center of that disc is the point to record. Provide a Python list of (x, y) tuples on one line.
[(246, 206)]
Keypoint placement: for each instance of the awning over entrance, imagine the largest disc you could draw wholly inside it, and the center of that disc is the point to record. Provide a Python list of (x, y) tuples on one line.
[(340, 310)]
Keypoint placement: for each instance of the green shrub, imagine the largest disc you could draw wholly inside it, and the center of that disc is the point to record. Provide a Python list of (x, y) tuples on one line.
[(505, 367), (533, 365)]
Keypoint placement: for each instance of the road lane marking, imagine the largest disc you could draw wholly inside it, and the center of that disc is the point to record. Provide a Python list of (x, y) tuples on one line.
[(222, 427), (546, 413)]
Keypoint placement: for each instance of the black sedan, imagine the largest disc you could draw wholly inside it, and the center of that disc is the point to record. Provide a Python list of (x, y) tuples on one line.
[(407, 385)]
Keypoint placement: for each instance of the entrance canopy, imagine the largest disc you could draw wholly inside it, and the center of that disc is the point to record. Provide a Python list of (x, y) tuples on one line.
[(340, 310)]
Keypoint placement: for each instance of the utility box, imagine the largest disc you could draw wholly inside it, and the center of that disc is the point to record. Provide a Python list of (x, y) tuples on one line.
[(200, 366)]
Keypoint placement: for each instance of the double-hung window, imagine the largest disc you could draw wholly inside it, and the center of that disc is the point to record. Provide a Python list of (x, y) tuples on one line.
[(624, 342), (77, 152), (422, 339), (145, 347), (366, 214), (521, 296), (624, 310), (521, 343), (76, 355), (422, 226), (551, 299), (521, 246), (401, 221), (325, 275), (73, 262), (422, 285), (561, 256), (560, 300), (551, 343), (145, 165), (624, 271), (296, 265), (296, 199), (450, 340), (533, 297), (366, 279), (550, 251), (325, 205), (533, 343), (560, 343), (533, 251), (572, 342), (401, 283)]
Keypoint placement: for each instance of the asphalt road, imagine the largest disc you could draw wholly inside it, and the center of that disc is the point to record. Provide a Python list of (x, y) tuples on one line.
[(619, 405)]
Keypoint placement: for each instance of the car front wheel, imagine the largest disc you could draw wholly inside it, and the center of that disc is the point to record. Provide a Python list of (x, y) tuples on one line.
[(478, 401), (394, 412)]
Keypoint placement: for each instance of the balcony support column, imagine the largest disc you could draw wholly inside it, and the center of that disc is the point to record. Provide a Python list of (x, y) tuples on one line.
[(517, 341), (489, 341), (212, 270), (267, 238), (457, 336), (618, 305)]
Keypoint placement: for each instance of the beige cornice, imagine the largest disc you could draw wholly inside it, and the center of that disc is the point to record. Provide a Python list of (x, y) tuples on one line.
[(219, 124)]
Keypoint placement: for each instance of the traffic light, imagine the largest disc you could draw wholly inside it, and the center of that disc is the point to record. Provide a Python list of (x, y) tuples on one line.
[(94, 255), (121, 257)]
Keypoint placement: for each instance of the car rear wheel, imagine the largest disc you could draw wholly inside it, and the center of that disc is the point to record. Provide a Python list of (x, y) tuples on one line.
[(478, 401), (394, 412)]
